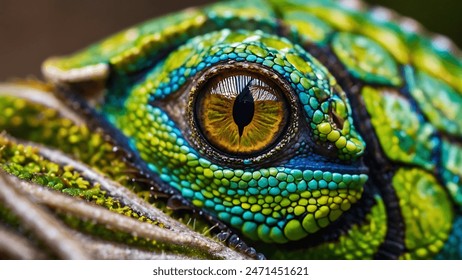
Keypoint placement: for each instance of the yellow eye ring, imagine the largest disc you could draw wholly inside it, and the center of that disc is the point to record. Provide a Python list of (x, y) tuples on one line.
[(242, 111)]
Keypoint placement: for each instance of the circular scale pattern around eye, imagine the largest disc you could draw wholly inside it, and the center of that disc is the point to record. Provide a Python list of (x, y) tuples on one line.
[(241, 114), (265, 115), (306, 77), (275, 204)]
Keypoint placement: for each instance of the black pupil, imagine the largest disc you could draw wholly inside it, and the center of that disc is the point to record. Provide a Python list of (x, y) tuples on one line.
[(239, 113), (243, 108)]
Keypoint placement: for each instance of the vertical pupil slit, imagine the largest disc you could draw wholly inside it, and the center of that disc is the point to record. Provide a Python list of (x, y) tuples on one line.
[(240, 113), (243, 108)]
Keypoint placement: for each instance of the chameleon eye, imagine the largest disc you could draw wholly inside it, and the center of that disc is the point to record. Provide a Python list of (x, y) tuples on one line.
[(241, 113)]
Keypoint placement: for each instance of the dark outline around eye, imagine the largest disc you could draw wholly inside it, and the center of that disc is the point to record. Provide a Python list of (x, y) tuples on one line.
[(201, 143)]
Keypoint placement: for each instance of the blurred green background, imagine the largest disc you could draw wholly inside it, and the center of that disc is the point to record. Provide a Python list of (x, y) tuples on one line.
[(32, 30), (438, 16)]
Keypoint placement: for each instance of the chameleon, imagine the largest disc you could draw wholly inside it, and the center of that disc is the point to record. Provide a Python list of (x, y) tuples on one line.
[(295, 129)]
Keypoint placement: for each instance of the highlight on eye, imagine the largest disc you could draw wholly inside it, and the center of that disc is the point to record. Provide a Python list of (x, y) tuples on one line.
[(241, 113)]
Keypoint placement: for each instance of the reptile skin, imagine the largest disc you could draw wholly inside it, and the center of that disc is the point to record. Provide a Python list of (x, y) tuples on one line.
[(304, 129)]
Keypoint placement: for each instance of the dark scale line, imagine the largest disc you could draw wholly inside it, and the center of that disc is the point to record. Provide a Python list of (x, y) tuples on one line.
[(146, 178), (96, 121), (405, 91), (438, 135), (449, 137), (119, 83), (355, 215), (381, 169)]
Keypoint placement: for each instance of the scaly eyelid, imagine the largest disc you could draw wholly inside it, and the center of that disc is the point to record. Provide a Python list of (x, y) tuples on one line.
[(135, 48), (312, 85)]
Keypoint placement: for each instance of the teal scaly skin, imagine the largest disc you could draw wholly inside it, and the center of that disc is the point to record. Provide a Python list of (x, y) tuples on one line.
[(311, 129)]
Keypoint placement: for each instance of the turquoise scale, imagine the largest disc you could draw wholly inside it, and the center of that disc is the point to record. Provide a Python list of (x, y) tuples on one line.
[(367, 90)]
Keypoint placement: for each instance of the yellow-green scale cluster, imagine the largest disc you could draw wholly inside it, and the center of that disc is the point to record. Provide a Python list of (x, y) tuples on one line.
[(366, 59), (31, 121), (38, 123), (439, 102), (452, 249), (26, 163), (400, 130), (274, 204), (397, 44), (451, 157), (134, 48), (407, 138), (35, 122), (372, 48), (317, 90), (362, 241), (310, 28), (427, 212)]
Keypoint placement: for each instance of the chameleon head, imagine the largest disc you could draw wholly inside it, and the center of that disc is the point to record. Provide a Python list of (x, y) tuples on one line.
[(244, 124), (252, 129)]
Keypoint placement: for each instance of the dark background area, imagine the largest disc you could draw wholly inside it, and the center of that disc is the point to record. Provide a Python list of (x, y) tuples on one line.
[(32, 30)]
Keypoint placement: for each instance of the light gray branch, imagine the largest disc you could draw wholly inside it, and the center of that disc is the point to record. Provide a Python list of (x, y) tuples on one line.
[(35, 218), (17, 247), (174, 233)]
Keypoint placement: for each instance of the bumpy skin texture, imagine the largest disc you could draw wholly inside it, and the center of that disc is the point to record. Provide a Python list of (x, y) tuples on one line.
[(368, 164)]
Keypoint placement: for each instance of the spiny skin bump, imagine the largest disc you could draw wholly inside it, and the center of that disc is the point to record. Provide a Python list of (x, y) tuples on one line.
[(369, 157)]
